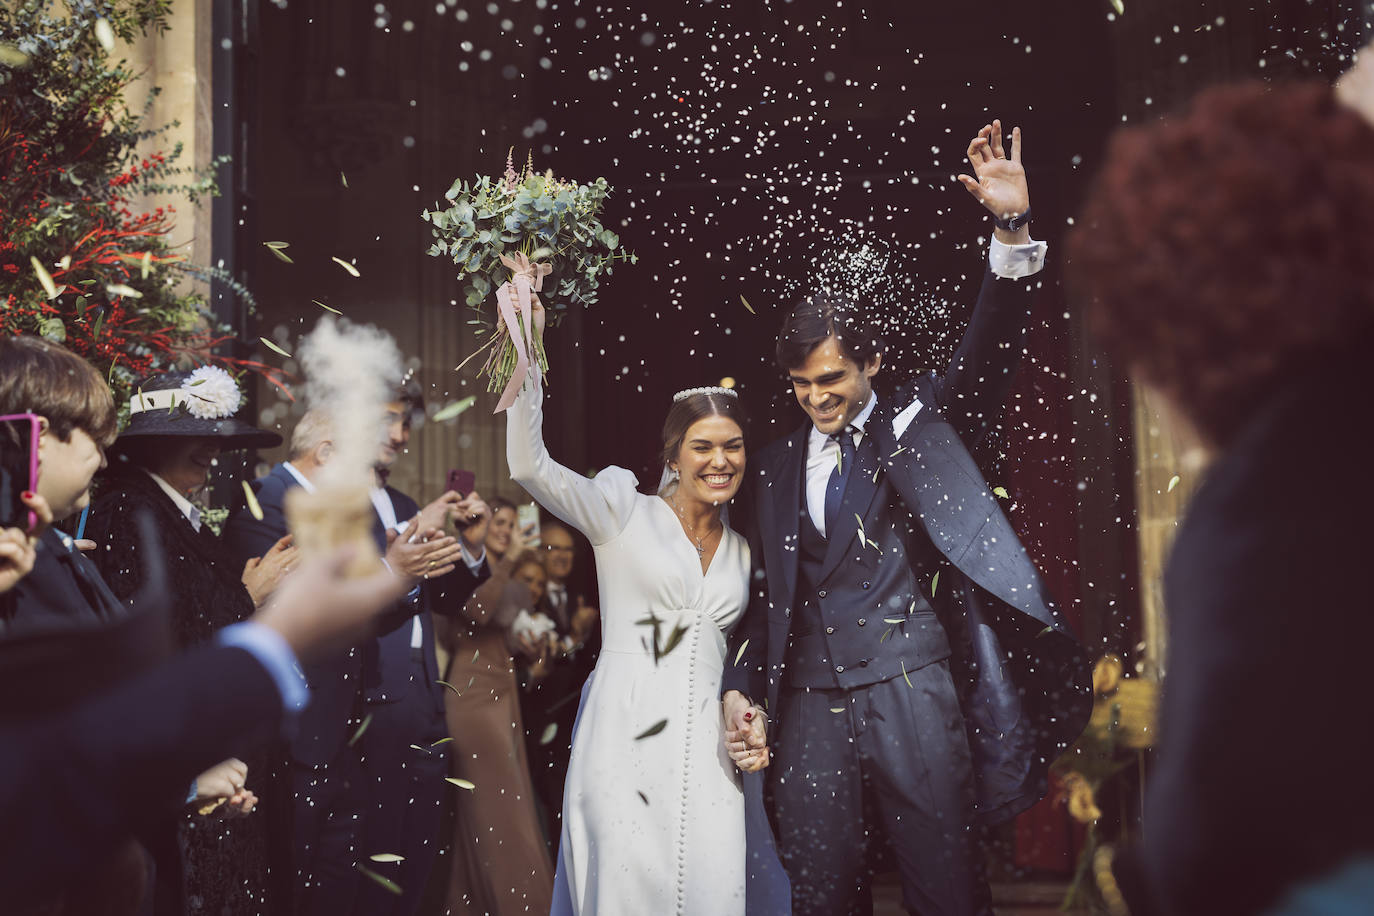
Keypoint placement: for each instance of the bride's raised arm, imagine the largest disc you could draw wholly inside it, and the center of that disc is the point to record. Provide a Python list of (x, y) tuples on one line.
[(599, 507)]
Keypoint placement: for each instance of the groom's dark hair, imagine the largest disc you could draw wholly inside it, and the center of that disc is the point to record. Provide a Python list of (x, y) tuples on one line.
[(815, 320)]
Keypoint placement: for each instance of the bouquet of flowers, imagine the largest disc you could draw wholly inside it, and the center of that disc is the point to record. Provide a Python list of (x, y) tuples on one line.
[(517, 235)]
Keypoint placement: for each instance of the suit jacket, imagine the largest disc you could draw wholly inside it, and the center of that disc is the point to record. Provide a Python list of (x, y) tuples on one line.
[(370, 671), (1024, 682)]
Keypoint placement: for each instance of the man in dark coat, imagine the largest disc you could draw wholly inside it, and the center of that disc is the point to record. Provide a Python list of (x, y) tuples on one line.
[(918, 676), (363, 788)]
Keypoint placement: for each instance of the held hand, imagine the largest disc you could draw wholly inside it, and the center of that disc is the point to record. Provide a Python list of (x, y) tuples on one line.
[(418, 554), (746, 738), (1000, 182), (262, 575), (538, 314), (473, 517)]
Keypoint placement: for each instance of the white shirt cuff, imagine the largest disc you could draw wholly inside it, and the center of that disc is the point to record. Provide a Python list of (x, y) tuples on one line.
[(1012, 262)]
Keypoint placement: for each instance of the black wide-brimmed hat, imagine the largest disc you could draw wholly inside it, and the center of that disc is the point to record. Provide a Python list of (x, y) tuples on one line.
[(201, 402)]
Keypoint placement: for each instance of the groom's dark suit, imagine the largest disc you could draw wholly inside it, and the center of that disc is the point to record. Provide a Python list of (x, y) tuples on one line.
[(904, 705)]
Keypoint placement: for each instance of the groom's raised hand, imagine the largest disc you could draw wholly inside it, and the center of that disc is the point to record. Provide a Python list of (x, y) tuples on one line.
[(998, 181)]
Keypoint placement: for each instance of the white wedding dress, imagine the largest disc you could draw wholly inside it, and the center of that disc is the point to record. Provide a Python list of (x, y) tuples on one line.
[(653, 824)]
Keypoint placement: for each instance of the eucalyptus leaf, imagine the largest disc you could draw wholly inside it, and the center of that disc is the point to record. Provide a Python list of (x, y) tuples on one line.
[(454, 410), (460, 783)]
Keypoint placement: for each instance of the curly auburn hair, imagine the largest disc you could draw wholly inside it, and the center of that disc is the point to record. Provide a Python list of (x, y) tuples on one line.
[(1225, 249)]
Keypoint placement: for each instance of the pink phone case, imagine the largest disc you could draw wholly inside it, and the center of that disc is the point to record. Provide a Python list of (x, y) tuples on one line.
[(34, 430)]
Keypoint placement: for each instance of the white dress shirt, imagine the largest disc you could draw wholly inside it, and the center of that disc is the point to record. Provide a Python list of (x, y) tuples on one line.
[(1010, 262), (822, 454)]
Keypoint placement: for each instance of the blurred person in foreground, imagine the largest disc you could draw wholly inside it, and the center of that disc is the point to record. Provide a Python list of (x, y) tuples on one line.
[(1224, 264), (86, 703), (367, 762), (500, 862), (179, 423)]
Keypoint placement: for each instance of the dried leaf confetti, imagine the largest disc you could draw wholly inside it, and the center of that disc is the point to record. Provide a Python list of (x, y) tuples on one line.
[(346, 266), (747, 305), (740, 654), (549, 731), (251, 499), (327, 308), (387, 883), (273, 347), (652, 730), (386, 857), (456, 409), (1173, 482), (460, 783), (367, 720), (44, 277), (1000, 492)]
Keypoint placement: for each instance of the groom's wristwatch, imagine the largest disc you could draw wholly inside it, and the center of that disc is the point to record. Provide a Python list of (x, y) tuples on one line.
[(1013, 223)]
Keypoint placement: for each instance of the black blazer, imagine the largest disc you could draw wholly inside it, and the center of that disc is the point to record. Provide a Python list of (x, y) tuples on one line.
[(1024, 682)]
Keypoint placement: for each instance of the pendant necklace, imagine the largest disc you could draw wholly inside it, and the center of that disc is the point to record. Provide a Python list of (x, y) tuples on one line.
[(700, 544)]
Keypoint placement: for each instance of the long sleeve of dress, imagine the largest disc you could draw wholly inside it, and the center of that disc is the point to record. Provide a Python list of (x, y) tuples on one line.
[(599, 507)]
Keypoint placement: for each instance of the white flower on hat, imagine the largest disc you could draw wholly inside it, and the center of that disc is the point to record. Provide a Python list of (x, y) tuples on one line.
[(211, 393)]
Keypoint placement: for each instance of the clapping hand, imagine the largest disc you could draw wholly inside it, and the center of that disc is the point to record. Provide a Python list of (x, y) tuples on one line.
[(421, 554), (262, 575), (1000, 182)]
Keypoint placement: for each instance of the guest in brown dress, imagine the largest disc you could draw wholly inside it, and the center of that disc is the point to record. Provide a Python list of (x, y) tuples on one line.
[(500, 861)]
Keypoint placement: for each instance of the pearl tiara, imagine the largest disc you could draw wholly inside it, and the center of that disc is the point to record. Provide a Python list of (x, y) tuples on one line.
[(714, 389)]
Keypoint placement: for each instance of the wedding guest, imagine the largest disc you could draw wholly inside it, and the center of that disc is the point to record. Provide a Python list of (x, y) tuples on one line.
[(548, 704), (179, 423), (1222, 263), (353, 794), (404, 754), (500, 861)]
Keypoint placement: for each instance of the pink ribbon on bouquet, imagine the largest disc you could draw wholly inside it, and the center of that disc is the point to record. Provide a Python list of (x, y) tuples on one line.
[(515, 305)]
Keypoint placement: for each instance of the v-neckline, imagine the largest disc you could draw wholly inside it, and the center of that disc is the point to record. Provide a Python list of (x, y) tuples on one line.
[(683, 531)]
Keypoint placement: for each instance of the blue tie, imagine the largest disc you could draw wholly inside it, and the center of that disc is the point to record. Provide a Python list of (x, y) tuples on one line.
[(834, 490)]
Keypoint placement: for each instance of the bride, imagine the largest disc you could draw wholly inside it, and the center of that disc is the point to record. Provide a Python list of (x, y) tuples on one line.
[(654, 810)]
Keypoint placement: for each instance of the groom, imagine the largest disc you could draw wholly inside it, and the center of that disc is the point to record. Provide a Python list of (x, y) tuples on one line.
[(918, 676)]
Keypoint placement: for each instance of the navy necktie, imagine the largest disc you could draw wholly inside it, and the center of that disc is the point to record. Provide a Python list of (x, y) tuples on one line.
[(834, 490)]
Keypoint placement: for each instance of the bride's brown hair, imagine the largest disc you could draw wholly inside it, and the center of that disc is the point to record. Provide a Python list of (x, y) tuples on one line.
[(696, 407)]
